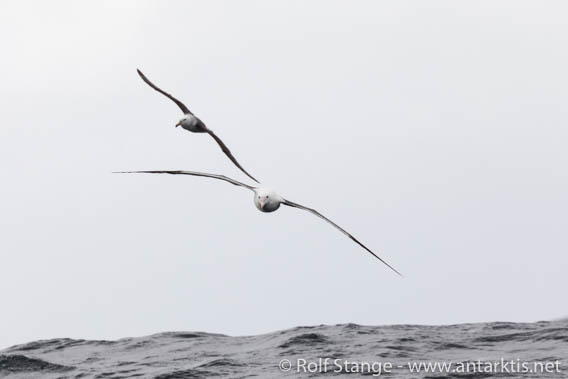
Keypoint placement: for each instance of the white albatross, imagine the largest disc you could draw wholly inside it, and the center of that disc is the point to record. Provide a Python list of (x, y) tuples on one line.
[(265, 199), (192, 123)]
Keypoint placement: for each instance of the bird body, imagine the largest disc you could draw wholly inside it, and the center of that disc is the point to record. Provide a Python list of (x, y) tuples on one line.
[(192, 123), (267, 200)]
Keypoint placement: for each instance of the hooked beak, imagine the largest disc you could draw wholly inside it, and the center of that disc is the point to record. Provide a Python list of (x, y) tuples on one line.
[(178, 124), (261, 204)]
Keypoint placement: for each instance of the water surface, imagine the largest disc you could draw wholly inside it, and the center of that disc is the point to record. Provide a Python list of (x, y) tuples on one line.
[(311, 351)]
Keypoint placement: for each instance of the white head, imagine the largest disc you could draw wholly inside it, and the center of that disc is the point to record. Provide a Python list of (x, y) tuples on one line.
[(267, 200), (182, 121)]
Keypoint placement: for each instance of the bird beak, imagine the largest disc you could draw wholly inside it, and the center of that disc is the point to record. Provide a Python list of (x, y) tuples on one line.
[(261, 204), (178, 124)]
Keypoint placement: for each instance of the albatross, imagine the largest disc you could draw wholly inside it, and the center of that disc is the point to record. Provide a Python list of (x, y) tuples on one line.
[(192, 123), (265, 199)]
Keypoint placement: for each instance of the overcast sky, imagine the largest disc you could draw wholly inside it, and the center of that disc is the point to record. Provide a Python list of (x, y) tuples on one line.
[(437, 134)]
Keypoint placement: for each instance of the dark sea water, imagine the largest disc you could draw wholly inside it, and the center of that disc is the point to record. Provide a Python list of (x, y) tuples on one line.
[(474, 350)]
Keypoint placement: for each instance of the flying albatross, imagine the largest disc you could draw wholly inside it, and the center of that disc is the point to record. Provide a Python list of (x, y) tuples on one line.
[(266, 200), (192, 123)]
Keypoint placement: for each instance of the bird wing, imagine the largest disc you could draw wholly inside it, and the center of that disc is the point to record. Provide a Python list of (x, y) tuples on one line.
[(228, 152), (183, 108), (295, 205), (194, 173)]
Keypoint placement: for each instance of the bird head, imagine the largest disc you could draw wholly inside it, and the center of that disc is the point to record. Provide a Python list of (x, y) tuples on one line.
[(262, 200), (266, 200)]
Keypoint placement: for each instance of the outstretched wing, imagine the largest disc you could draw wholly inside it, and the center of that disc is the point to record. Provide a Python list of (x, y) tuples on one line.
[(193, 173), (295, 205), (228, 153), (183, 108)]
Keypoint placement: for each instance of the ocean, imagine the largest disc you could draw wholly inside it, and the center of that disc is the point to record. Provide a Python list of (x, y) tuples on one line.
[(481, 350)]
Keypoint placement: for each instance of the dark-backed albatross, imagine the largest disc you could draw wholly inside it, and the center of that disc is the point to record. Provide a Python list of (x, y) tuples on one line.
[(265, 199), (192, 123)]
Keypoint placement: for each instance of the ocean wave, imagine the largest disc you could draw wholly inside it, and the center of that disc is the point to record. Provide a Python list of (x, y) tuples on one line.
[(174, 355)]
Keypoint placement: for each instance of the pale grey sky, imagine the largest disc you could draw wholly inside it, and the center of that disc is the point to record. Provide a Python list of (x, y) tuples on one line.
[(435, 132)]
